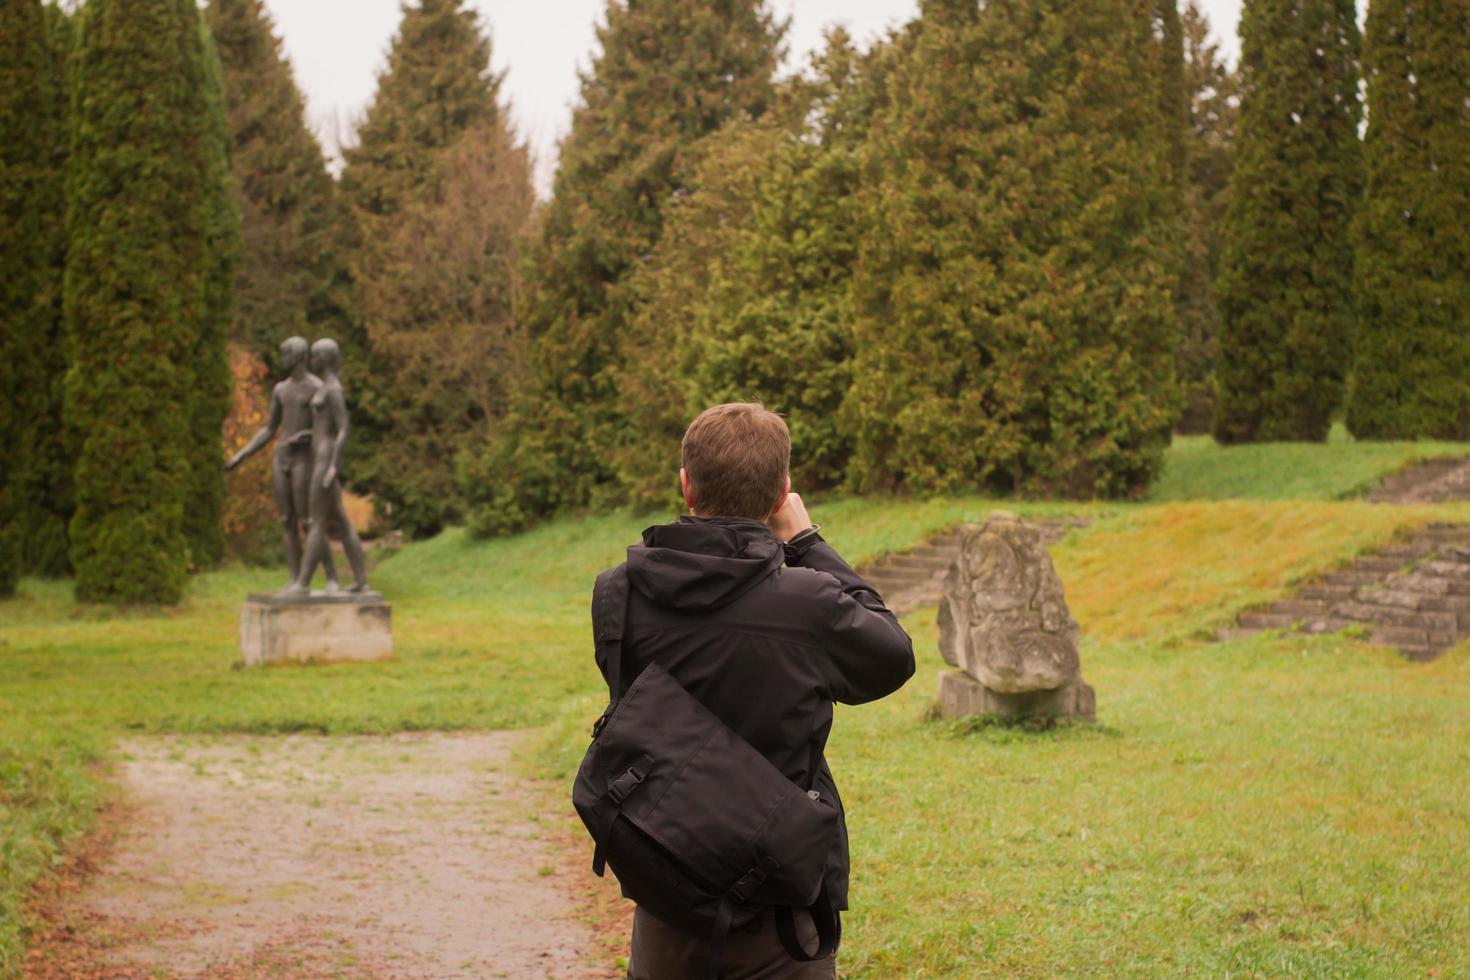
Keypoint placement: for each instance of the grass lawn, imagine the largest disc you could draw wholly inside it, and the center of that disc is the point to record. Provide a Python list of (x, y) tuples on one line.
[(1198, 469), (1274, 806)]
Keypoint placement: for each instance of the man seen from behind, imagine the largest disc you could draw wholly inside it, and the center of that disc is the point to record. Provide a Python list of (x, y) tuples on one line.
[(747, 607)]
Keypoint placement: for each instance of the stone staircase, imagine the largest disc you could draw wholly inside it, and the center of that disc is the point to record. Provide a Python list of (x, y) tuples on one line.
[(915, 578), (1427, 482), (1413, 595)]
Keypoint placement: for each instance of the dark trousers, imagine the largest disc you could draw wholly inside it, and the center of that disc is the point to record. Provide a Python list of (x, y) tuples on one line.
[(662, 952)]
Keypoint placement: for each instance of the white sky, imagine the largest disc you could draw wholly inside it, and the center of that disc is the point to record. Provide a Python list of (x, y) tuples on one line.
[(338, 46)]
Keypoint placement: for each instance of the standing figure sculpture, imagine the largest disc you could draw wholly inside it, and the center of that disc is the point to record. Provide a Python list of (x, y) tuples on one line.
[(291, 416), (328, 439)]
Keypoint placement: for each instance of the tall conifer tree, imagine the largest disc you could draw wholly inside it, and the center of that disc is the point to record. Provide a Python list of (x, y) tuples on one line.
[(442, 291), (437, 85), (291, 271), (1285, 287), (437, 99), (748, 293), (135, 293), (49, 496), (1210, 86), (1014, 297), (1412, 373), (212, 381), (27, 119), (668, 73)]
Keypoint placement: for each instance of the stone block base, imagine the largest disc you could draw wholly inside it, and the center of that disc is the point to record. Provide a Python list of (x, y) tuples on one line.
[(961, 696), (324, 627)]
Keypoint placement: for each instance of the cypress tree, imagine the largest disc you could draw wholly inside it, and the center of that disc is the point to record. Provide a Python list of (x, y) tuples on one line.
[(134, 293), (1411, 377), (1173, 98), (210, 401), (26, 124), (1285, 287), (1174, 119), (1014, 297), (49, 497), (291, 273), (1210, 86), (668, 73)]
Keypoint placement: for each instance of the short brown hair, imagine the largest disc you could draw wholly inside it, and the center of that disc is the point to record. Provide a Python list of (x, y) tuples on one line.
[(737, 457)]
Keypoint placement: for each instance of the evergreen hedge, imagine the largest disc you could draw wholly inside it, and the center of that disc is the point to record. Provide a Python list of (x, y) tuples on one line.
[(49, 494), (135, 292), (748, 295), (210, 403), (1411, 376), (1285, 287), (1014, 295), (26, 120)]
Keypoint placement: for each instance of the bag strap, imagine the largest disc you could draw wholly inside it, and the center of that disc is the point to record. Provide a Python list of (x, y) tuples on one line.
[(829, 929), (609, 614)]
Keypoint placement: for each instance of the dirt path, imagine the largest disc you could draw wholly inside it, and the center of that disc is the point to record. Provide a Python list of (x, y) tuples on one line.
[(401, 856)]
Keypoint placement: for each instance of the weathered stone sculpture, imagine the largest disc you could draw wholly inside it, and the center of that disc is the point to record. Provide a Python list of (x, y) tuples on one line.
[(1004, 623)]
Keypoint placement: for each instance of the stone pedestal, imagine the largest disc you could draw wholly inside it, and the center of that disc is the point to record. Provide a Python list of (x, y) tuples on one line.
[(323, 627), (961, 696)]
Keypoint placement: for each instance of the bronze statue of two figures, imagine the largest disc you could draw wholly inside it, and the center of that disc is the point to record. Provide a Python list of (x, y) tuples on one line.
[(309, 414)]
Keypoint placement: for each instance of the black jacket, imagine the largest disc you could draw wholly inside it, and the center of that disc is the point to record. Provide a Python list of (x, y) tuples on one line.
[(767, 648)]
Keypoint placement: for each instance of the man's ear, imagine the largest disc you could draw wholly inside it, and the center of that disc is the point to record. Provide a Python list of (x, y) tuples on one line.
[(781, 501), (687, 488)]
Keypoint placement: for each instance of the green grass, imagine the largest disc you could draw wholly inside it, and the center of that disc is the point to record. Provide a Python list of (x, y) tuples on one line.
[(1273, 807), (1196, 468)]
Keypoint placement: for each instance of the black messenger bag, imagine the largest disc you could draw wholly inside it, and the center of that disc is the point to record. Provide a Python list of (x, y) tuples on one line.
[(700, 829)]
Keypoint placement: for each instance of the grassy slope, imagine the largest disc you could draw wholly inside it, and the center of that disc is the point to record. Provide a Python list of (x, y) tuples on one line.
[(1281, 801), (1198, 469)]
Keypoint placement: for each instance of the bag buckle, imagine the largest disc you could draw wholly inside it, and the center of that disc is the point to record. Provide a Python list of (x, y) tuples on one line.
[(752, 879), (628, 781)]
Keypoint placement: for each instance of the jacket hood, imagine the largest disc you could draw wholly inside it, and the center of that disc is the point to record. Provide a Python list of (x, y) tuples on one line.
[(703, 562)]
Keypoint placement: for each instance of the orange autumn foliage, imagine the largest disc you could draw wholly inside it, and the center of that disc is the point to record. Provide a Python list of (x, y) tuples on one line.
[(249, 515)]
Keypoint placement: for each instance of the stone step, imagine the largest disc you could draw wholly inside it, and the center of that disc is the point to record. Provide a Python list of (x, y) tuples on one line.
[(1445, 569), (1409, 550), (1443, 532), (1397, 594), (935, 563), (1365, 612), (1302, 608), (1267, 621), (1383, 565), (1457, 604), (1328, 593), (887, 585), (1228, 633), (1438, 585), (944, 552), (1350, 578), (909, 571), (1405, 636)]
